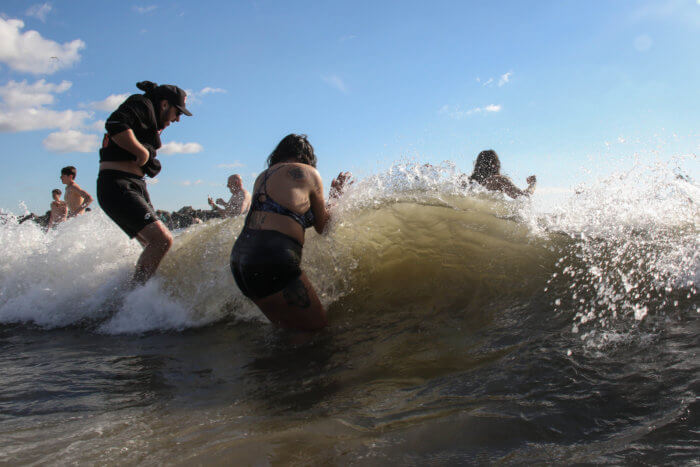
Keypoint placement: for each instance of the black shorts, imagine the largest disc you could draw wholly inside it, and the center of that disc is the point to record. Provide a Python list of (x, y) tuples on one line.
[(123, 197), (263, 262)]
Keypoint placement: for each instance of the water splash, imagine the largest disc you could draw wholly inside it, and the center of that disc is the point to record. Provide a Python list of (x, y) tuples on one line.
[(418, 235), (635, 248)]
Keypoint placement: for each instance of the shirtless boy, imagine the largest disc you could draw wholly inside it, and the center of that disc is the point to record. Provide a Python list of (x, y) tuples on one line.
[(59, 209), (76, 198), (239, 202)]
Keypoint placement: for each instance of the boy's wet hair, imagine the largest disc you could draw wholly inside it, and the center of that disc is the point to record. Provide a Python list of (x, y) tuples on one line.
[(295, 148), (69, 170), (56, 192)]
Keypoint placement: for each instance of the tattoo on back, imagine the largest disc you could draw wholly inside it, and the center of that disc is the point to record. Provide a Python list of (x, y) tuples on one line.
[(296, 173), (295, 294)]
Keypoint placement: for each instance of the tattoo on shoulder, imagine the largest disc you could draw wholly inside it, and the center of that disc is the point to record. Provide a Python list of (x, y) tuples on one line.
[(296, 173), (295, 294)]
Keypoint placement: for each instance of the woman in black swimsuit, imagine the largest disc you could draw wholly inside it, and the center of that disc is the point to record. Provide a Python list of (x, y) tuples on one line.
[(266, 258)]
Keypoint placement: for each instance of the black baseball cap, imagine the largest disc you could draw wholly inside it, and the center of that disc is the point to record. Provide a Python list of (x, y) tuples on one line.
[(175, 96)]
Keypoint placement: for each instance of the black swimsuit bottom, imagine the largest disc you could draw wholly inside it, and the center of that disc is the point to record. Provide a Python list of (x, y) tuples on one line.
[(264, 262)]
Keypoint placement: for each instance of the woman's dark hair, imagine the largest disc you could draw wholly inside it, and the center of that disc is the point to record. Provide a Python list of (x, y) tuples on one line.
[(487, 165), (294, 148)]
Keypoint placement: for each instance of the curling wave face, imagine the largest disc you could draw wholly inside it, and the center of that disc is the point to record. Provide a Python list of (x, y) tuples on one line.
[(413, 238)]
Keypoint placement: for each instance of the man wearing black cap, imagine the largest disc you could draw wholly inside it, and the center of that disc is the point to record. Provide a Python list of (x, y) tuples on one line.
[(128, 154)]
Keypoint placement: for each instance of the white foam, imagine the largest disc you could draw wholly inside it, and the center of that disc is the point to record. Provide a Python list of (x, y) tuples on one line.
[(64, 275)]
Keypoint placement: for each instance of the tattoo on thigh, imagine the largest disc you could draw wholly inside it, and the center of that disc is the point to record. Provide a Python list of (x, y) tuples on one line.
[(296, 295), (296, 173)]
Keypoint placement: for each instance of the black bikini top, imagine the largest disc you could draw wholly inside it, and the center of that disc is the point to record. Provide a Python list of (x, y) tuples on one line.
[(270, 205)]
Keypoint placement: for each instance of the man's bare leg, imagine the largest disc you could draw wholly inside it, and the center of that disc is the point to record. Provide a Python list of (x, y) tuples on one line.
[(157, 240)]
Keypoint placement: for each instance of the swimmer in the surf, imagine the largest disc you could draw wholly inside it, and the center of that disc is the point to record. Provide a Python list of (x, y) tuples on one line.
[(487, 173), (59, 209), (76, 198), (238, 204), (266, 258)]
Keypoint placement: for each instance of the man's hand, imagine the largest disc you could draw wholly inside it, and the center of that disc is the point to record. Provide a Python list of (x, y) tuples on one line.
[(210, 201)]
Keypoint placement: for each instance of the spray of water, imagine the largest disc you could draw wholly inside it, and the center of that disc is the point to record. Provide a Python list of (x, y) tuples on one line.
[(627, 247)]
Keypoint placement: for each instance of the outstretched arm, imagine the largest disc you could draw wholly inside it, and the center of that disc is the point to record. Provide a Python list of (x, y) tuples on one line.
[(318, 205), (531, 183), (504, 184), (213, 204)]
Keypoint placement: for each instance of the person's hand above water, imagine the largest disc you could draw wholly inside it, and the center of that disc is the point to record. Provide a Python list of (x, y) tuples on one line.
[(531, 179), (210, 201), (338, 184)]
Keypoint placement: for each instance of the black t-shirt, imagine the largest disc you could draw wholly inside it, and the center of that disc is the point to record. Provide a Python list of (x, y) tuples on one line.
[(138, 114)]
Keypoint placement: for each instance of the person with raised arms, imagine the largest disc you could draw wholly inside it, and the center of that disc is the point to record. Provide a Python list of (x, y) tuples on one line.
[(238, 204), (487, 173), (266, 257), (128, 154)]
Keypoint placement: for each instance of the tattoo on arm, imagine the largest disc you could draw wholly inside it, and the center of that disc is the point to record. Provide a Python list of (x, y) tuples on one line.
[(296, 173), (295, 294)]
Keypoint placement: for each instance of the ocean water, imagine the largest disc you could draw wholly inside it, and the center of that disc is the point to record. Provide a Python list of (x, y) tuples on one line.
[(464, 328)]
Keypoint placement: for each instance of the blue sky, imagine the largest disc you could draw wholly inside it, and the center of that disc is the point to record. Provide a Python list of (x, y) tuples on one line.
[(553, 86)]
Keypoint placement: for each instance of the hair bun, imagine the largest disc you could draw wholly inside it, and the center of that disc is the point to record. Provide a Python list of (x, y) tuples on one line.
[(146, 85)]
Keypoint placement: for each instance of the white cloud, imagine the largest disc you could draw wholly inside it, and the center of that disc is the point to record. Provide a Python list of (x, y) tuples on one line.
[(505, 78), (456, 113), (110, 103), (23, 107), (488, 82), (72, 141), (180, 148), (39, 119), (98, 125), (210, 90), (151, 181), (193, 96), (30, 53), (234, 165), (190, 183), (144, 9), (336, 82), (39, 11), (20, 94)]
